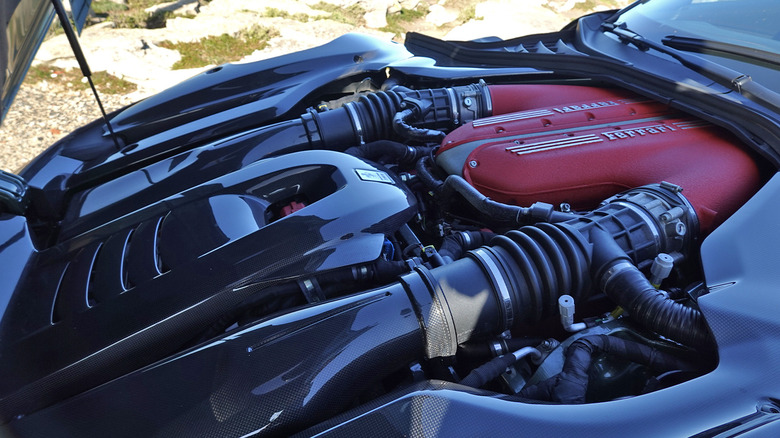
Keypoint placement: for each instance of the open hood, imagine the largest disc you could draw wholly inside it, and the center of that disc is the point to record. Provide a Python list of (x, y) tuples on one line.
[(25, 23)]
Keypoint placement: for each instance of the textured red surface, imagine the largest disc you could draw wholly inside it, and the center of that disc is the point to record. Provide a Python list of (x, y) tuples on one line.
[(581, 145)]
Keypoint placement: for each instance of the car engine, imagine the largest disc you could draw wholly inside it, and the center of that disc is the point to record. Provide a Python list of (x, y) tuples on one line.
[(534, 242)]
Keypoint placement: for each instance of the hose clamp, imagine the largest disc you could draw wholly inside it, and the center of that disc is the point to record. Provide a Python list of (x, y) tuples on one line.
[(466, 239), (646, 218), (498, 349), (499, 285), (486, 99), (355, 122), (612, 271), (454, 105)]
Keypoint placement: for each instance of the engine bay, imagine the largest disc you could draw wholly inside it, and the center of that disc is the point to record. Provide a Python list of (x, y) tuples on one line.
[(580, 158), (537, 242), (531, 198)]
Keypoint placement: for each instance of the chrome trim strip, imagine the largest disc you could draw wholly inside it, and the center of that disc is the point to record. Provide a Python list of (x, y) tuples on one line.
[(554, 144), (511, 117), (691, 124)]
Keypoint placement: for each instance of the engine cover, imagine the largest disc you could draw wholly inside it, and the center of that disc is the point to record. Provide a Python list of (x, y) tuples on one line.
[(603, 143), (122, 295)]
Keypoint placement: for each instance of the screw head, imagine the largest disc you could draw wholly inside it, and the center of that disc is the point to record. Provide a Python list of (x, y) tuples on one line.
[(467, 101), (473, 164)]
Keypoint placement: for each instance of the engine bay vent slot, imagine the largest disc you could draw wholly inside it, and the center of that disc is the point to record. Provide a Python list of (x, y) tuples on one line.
[(73, 294), (142, 261), (108, 273)]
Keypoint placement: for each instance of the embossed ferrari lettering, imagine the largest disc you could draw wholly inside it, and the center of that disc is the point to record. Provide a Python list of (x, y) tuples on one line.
[(585, 106), (637, 132)]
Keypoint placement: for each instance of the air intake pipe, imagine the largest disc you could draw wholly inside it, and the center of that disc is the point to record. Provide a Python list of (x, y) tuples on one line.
[(399, 113), (346, 345), (519, 277), (402, 114)]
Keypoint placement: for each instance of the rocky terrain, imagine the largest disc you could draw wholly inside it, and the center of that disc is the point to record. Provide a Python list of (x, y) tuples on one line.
[(50, 107)]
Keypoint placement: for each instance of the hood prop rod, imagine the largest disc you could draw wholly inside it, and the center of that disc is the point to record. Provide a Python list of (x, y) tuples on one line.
[(82, 60)]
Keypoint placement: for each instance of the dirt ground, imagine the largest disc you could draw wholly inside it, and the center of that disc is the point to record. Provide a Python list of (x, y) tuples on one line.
[(46, 110)]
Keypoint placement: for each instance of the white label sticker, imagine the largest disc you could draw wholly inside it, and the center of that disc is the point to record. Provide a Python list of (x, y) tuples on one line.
[(374, 175)]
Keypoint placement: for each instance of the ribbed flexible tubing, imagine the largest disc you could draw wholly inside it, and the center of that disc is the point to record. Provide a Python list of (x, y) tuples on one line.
[(377, 111), (555, 259), (631, 289), (551, 260)]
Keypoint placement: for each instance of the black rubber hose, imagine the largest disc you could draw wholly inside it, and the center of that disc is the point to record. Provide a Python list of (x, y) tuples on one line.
[(627, 286), (511, 215), (571, 384), (497, 211), (484, 350), (426, 176), (388, 151), (531, 267), (631, 289), (377, 110), (492, 369), (381, 271), (456, 244), (402, 127), (527, 271), (489, 371), (419, 115), (374, 116)]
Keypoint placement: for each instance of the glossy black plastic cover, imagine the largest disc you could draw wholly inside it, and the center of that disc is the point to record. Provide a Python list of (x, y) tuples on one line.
[(128, 292)]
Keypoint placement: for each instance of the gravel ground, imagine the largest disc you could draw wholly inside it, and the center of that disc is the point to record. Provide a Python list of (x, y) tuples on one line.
[(42, 114)]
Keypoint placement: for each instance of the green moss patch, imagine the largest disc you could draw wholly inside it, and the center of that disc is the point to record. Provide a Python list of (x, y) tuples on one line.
[(132, 15), (274, 12), (221, 49), (73, 79), (399, 22), (352, 14)]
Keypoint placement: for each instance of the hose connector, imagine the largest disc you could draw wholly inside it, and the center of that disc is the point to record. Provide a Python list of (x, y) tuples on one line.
[(566, 309), (660, 269)]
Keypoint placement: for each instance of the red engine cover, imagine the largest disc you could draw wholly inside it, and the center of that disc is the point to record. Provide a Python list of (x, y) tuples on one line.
[(589, 149)]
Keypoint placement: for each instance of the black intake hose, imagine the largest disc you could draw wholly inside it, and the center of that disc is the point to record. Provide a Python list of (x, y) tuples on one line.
[(455, 245), (368, 120), (627, 286), (631, 289), (402, 127), (488, 349), (492, 369), (571, 384), (388, 151), (417, 115), (497, 212), (529, 269)]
